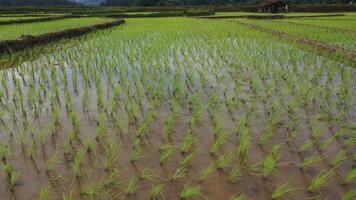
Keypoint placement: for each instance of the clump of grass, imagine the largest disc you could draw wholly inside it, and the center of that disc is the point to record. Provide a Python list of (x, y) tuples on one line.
[(75, 122), (156, 191), (148, 174), (68, 196), (32, 150), (169, 125), (349, 195), (310, 161), (12, 176), (235, 173), (89, 145), (52, 162), (307, 145), (77, 166), (351, 175), (237, 196), (319, 181), (188, 142), (281, 191), (4, 152), (190, 191), (44, 194), (221, 139), (207, 171), (243, 141), (179, 172), (339, 158), (187, 160), (223, 160), (130, 186), (166, 150), (111, 152), (135, 153), (271, 160)]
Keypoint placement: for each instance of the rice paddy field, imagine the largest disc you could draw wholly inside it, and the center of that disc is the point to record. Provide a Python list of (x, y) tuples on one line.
[(14, 31), (179, 108)]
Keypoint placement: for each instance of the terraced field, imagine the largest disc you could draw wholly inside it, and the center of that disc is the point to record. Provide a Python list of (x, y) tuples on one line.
[(179, 108)]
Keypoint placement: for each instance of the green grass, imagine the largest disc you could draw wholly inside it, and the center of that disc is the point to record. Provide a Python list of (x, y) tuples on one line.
[(140, 110), (333, 37), (9, 32)]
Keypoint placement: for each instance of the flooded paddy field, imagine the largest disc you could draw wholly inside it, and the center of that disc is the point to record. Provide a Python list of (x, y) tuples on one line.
[(178, 108)]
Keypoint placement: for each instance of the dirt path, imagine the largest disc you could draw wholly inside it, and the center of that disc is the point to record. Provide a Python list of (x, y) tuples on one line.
[(27, 42)]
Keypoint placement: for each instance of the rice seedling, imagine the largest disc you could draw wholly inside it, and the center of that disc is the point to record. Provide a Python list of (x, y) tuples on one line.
[(111, 153), (75, 122), (235, 173), (77, 166), (32, 150), (320, 180), (130, 186), (68, 196), (44, 194), (188, 142), (351, 175), (207, 171), (271, 160), (134, 90), (52, 162), (4, 152), (179, 172), (190, 191), (349, 195), (187, 160), (237, 196), (168, 126), (166, 150), (14, 175), (156, 191), (220, 140), (339, 158), (148, 174), (135, 154), (224, 160), (281, 191), (310, 161)]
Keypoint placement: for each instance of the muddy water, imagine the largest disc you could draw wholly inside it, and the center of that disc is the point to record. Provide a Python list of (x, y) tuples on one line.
[(200, 76)]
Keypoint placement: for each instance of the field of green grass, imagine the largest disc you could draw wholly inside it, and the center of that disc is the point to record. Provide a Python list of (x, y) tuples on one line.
[(347, 22), (2, 18), (324, 34), (14, 31), (178, 108)]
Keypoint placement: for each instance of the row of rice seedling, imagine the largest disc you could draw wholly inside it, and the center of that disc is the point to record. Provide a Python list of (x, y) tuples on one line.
[(336, 37), (178, 109), (328, 23)]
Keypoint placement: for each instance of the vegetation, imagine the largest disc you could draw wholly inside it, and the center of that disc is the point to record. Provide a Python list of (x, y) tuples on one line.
[(179, 107)]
